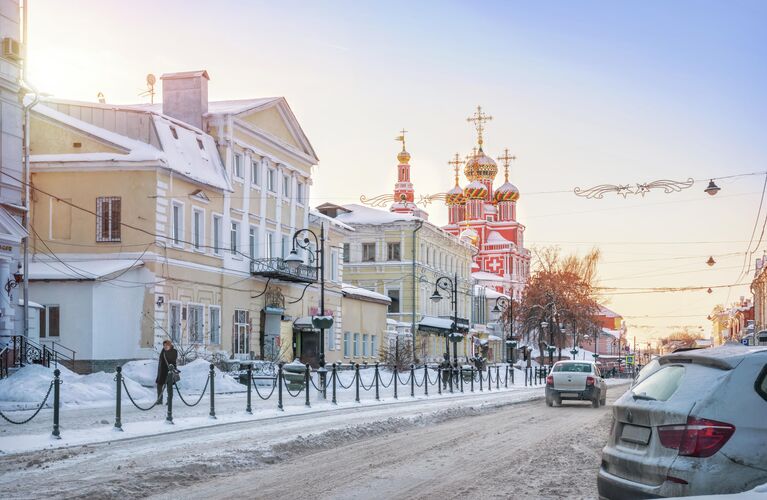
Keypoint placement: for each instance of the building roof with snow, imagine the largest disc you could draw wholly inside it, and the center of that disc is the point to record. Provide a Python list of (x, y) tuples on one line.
[(356, 292)]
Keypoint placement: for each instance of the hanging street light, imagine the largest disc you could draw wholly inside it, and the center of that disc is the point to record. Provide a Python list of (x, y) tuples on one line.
[(710, 261), (712, 188)]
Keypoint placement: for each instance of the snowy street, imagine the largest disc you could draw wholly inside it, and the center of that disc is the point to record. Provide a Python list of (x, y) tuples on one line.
[(497, 444)]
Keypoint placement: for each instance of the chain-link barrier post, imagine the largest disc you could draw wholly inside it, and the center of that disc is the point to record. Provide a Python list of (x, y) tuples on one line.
[(212, 376), (497, 377), (481, 386), (412, 381), (489, 378), (472, 379), (396, 376), (118, 397), (357, 382), (248, 409), (460, 377), (169, 390), (279, 386), (376, 377), (512, 374), (307, 383), (425, 380), (506, 378), (335, 379), (439, 381), (56, 402)]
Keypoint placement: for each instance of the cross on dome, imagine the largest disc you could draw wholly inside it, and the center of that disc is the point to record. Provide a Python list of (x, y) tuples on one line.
[(506, 159), (401, 138), (479, 118), (456, 162)]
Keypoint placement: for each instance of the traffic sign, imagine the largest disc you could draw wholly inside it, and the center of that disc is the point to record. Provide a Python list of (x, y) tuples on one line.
[(630, 359), (744, 341)]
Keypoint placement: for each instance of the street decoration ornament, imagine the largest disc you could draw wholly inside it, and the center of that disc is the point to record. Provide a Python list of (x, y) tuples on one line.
[(667, 185)]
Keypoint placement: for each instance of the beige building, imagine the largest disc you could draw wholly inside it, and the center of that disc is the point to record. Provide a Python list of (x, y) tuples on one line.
[(170, 221)]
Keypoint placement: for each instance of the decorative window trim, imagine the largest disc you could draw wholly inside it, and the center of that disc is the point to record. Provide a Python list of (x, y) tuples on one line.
[(114, 227), (201, 246), (180, 242)]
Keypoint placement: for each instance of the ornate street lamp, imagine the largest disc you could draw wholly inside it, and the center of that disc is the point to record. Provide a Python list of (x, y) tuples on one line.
[(712, 188), (450, 286), (293, 261), (711, 261)]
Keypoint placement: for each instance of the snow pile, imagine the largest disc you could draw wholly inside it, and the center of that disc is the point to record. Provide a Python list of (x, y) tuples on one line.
[(28, 386), (193, 376)]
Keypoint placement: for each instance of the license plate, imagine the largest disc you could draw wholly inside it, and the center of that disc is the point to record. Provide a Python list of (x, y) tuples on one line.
[(635, 434), (569, 394)]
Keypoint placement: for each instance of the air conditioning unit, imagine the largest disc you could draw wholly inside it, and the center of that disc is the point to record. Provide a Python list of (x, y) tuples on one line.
[(11, 49)]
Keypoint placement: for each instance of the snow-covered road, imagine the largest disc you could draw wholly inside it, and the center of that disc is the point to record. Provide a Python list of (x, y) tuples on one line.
[(472, 445)]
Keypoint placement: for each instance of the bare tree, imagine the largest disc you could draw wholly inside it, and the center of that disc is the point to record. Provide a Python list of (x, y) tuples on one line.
[(398, 354)]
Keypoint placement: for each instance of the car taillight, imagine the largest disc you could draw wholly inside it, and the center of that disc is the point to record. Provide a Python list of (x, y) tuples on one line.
[(550, 380), (700, 437), (589, 380)]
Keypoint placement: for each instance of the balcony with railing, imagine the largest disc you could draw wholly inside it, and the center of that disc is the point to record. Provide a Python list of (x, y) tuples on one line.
[(277, 268)]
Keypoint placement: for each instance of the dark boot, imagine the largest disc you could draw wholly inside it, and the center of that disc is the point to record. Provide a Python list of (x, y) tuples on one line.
[(160, 388)]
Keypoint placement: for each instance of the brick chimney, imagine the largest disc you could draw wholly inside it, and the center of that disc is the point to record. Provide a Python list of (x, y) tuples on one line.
[(185, 96)]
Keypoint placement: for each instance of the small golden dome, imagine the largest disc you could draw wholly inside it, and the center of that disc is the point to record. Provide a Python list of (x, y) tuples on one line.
[(475, 190), (480, 167), (403, 157)]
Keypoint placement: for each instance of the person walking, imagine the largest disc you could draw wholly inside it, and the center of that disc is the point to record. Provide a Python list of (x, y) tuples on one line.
[(445, 366), (168, 356)]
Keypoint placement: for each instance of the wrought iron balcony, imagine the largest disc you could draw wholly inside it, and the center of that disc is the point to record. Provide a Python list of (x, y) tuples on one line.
[(276, 268)]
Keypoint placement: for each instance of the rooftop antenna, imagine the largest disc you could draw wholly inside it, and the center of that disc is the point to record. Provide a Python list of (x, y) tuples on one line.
[(150, 81)]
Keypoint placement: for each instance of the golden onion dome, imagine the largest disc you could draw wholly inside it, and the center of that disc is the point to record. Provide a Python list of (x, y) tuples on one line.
[(455, 196), (403, 157), (475, 190), (480, 167), (507, 192)]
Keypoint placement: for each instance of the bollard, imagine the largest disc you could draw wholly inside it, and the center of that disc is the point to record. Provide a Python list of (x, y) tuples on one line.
[(525, 376), (512, 374), (307, 383), (396, 375), (480, 380), (248, 409), (334, 384), (56, 402), (489, 378), (460, 377), (472, 379), (425, 380), (376, 377), (450, 379), (212, 376), (169, 389), (357, 381), (279, 387), (118, 398), (506, 378), (412, 381), (439, 380), (497, 377)]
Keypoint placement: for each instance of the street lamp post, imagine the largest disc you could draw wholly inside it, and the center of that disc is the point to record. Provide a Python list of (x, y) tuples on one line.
[(318, 256), (451, 286), (501, 305)]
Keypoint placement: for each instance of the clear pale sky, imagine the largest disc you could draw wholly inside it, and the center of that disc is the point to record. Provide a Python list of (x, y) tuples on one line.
[(583, 93)]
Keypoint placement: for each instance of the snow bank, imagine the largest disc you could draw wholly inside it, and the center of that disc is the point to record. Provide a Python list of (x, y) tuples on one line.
[(28, 386), (193, 376)]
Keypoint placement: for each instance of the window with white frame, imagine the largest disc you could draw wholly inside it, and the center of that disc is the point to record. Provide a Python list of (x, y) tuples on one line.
[(234, 238), (174, 321), (253, 242), (330, 335), (368, 252), (394, 296), (333, 264), (198, 228), (50, 323), (241, 339), (364, 344), (255, 173), (347, 252), (269, 244), (195, 324), (237, 165), (177, 223), (392, 251), (108, 218), (373, 346), (217, 222), (346, 344), (215, 325), (285, 248), (356, 344), (300, 193), (285, 186), (271, 180)]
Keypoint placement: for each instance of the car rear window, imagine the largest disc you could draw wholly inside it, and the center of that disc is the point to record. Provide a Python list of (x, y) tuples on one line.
[(761, 383), (573, 367), (661, 385)]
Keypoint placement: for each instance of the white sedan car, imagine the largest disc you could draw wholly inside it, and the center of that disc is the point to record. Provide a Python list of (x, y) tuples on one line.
[(575, 380)]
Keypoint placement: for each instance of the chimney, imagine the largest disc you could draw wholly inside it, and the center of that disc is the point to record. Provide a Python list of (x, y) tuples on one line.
[(185, 96)]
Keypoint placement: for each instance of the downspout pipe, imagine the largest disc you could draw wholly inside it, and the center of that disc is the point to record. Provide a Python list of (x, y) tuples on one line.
[(27, 174), (419, 225)]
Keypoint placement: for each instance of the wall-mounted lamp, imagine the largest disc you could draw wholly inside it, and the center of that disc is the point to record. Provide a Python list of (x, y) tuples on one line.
[(12, 283), (160, 301)]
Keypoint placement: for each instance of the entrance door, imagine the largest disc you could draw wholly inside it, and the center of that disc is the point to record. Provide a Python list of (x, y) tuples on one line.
[(310, 348)]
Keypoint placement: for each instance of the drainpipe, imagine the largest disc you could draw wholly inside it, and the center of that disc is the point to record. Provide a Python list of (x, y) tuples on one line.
[(27, 174), (419, 224)]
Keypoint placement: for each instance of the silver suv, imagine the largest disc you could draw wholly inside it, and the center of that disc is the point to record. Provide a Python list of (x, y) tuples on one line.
[(698, 425)]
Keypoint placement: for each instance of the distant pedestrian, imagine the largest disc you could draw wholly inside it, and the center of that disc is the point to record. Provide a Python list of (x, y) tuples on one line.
[(445, 366), (168, 356)]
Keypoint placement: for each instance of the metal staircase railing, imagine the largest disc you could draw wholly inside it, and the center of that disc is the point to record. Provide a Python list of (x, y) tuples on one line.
[(20, 351)]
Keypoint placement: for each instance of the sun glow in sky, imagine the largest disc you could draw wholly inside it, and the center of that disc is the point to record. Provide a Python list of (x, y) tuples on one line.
[(583, 93)]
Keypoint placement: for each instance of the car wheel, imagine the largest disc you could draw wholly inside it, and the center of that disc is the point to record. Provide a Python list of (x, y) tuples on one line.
[(558, 401), (595, 402), (603, 401), (549, 402)]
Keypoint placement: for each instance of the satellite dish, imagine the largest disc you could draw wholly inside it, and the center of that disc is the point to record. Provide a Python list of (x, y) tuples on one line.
[(150, 79)]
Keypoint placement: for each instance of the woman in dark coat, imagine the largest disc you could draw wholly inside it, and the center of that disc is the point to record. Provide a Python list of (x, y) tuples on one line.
[(168, 356)]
